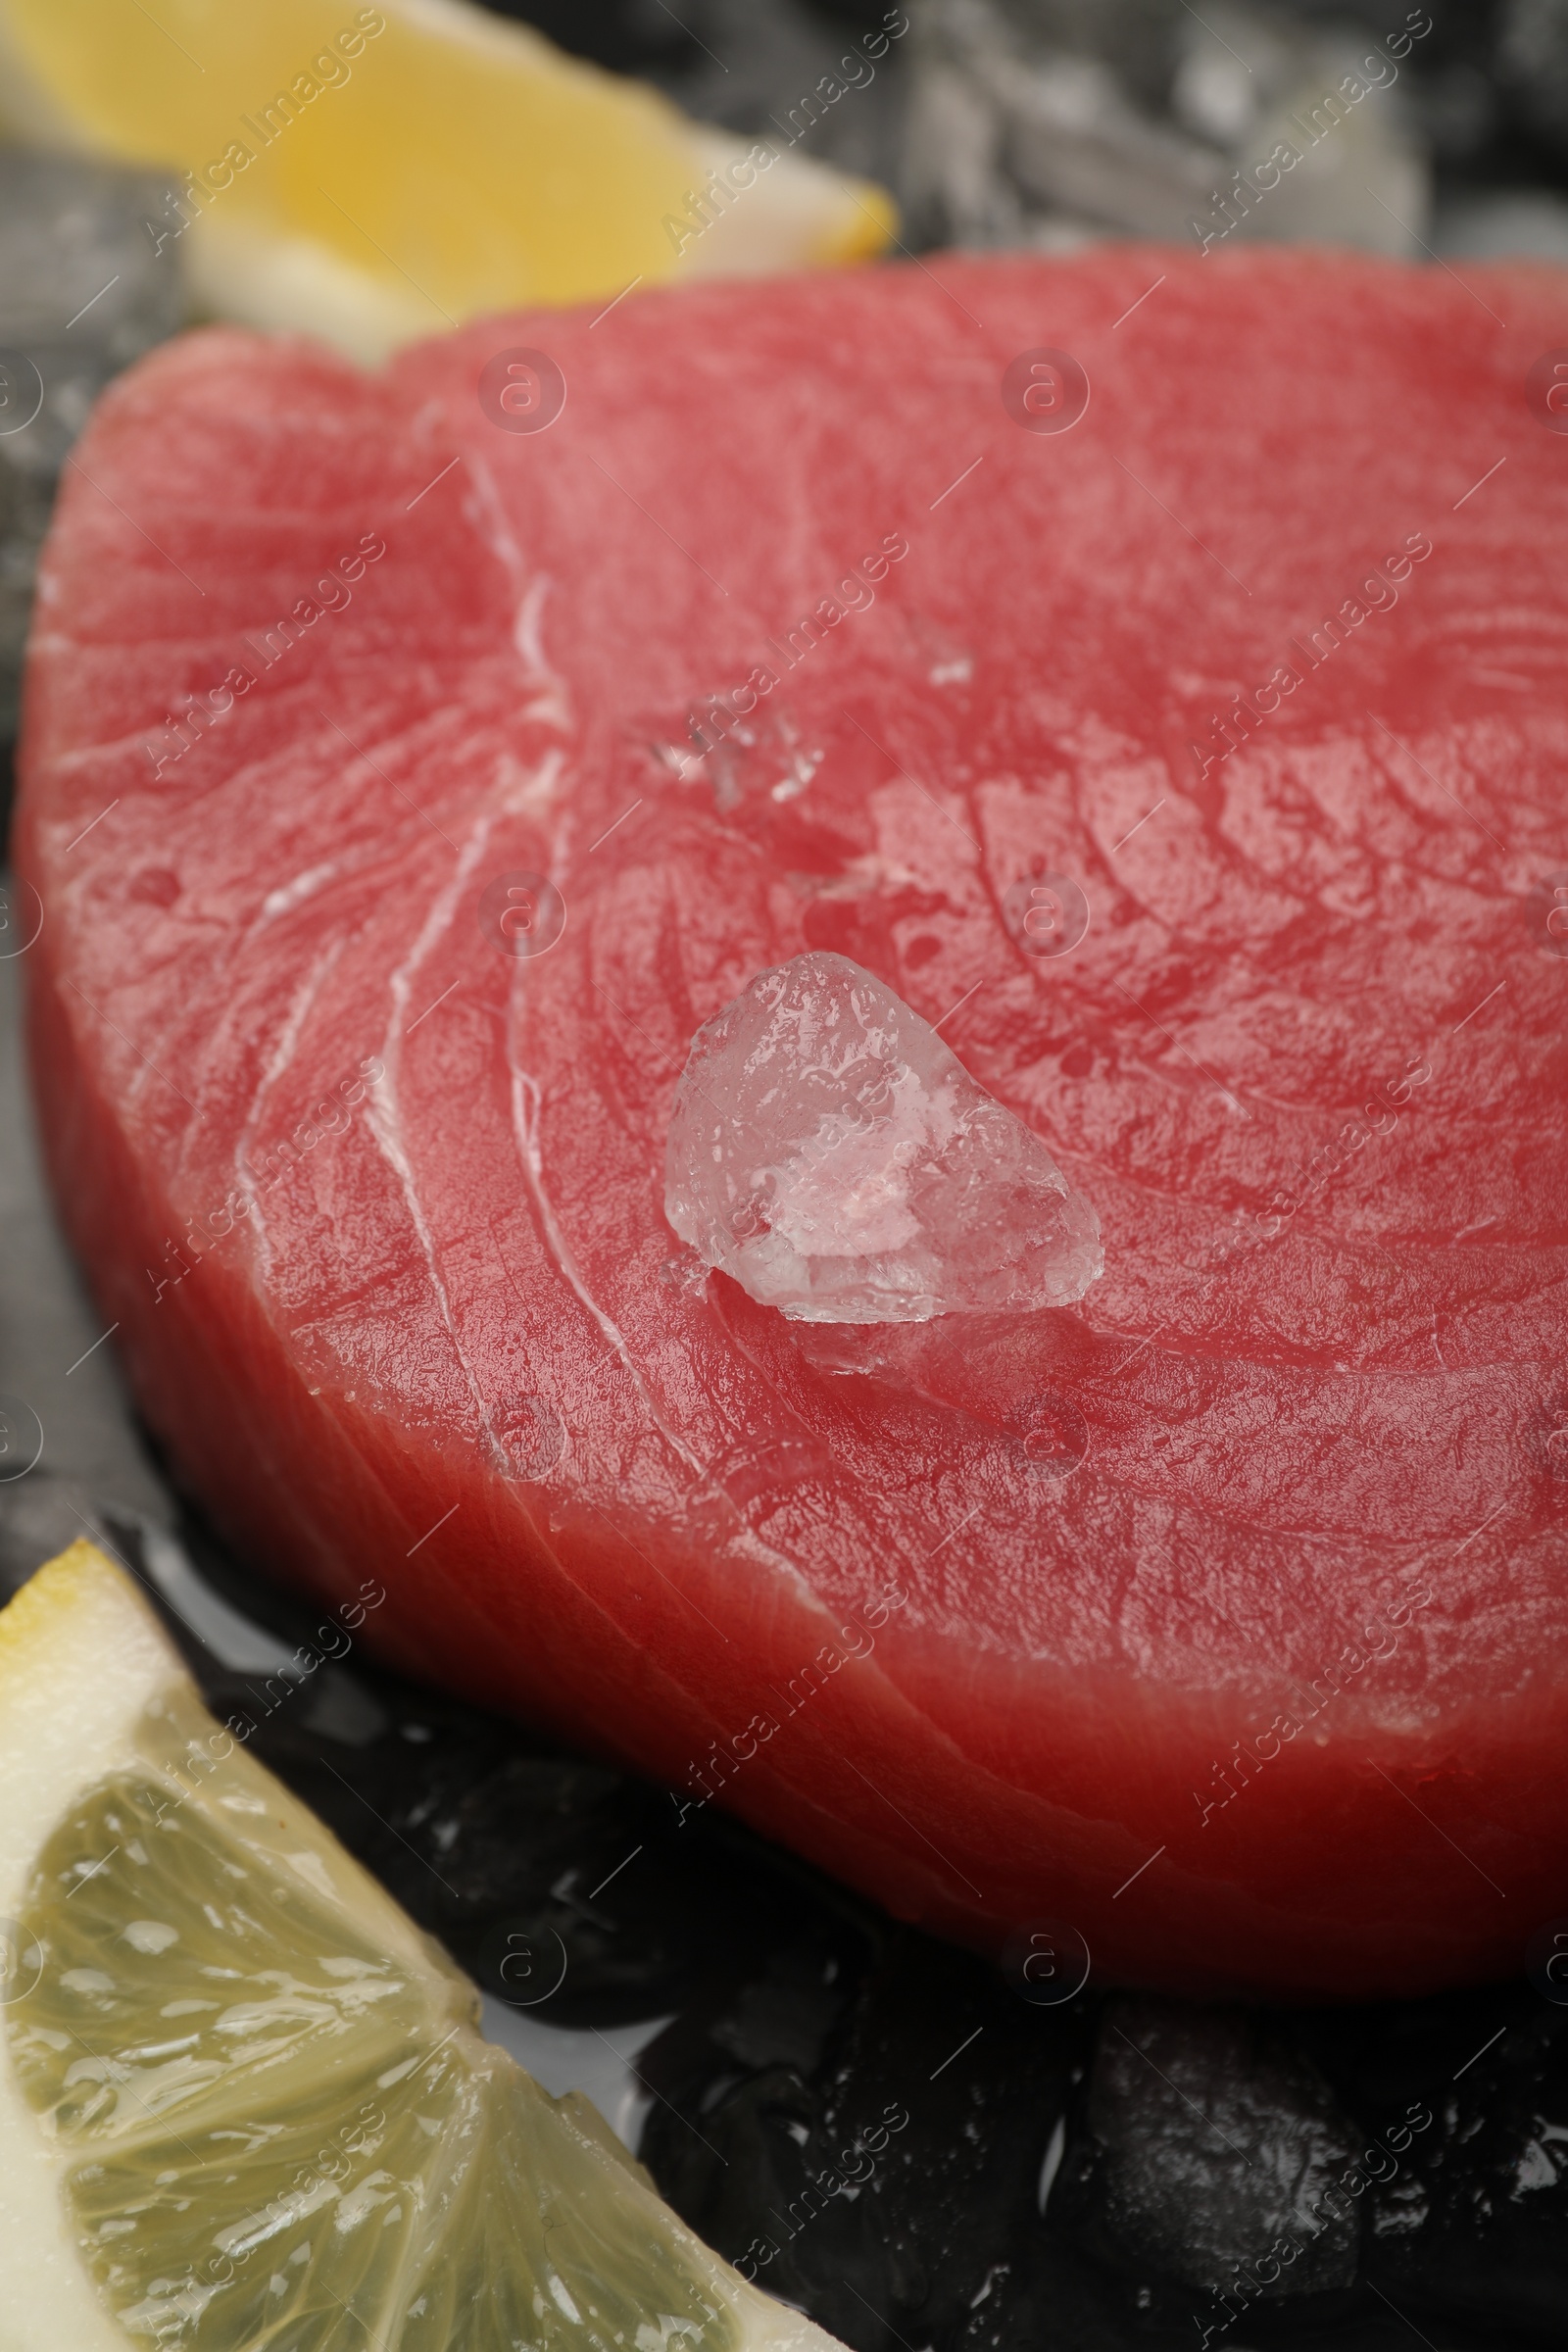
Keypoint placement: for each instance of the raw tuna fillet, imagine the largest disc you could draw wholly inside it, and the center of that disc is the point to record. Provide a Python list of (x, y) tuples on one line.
[(1176, 724)]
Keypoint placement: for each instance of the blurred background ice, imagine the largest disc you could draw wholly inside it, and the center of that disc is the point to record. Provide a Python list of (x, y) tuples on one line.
[(1047, 121)]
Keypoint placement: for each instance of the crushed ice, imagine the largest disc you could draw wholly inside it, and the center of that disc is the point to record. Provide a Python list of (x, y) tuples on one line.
[(833, 1156)]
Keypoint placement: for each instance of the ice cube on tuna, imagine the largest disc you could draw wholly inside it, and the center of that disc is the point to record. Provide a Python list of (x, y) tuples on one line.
[(834, 1156)]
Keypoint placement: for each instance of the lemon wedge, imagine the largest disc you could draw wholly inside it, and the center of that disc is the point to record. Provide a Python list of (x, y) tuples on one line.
[(373, 174), (243, 2102)]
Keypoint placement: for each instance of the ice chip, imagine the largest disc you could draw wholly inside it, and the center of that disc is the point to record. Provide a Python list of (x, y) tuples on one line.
[(834, 1157), (1215, 2151)]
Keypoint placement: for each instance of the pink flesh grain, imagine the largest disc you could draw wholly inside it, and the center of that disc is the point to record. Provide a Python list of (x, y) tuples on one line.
[(1324, 1459)]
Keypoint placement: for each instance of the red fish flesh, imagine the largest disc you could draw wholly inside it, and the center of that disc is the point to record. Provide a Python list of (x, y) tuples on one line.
[(1147, 667)]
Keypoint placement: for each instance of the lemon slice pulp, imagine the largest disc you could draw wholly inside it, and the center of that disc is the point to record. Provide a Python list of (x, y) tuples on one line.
[(373, 174), (243, 2102)]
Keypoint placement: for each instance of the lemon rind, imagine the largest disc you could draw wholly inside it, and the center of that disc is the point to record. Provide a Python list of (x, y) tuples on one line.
[(84, 1661), (80, 1660), (801, 213)]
